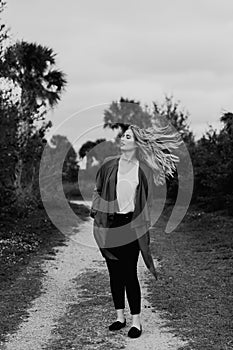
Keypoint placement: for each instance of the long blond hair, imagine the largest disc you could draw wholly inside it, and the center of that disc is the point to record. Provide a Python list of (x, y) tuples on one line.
[(155, 145)]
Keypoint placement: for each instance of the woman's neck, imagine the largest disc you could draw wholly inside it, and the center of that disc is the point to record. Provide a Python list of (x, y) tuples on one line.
[(129, 156)]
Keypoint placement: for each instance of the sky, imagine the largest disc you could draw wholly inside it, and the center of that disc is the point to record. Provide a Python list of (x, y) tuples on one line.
[(139, 50)]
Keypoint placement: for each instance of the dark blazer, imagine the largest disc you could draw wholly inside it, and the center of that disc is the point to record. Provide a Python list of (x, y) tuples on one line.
[(104, 205)]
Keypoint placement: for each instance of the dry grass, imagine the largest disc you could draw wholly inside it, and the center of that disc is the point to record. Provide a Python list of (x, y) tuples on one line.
[(194, 290), (196, 285)]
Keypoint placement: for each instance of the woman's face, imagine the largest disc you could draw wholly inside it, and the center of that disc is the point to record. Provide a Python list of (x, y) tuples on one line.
[(127, 142)]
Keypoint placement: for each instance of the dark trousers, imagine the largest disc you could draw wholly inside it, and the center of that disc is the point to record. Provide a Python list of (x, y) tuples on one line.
[(123, 271)]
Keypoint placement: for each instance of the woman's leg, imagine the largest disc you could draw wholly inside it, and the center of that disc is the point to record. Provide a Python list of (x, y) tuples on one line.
[(133, 290), (117, 285), (123, 272)]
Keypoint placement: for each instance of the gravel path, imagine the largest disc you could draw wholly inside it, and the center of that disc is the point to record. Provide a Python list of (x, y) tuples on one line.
[(58, 290), (153, 336), (70, 260)]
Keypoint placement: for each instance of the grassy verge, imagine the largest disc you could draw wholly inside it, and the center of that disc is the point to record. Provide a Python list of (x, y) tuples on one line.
[(195, 289), (23, 242)]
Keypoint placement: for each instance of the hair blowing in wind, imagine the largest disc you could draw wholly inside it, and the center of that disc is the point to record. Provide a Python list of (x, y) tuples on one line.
[(155, 146)]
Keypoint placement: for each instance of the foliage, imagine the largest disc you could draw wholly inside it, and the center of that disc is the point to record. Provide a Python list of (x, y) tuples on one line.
[(8, 126), (60, 147), (213, 167), (126, 112), (171, 112), (32, 67), (97, 150), (211, 155), (87, 150), (57, 166), (33, 85), (30, 86)]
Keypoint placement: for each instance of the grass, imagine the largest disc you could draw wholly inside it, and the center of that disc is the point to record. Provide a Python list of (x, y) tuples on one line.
[(194, 291), (195, 287)]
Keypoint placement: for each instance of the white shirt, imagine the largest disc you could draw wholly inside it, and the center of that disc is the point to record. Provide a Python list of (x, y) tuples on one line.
[(126, 189)]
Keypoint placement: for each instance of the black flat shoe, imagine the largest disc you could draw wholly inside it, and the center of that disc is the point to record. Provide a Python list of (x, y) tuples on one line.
[(134, 332), (117, 325)]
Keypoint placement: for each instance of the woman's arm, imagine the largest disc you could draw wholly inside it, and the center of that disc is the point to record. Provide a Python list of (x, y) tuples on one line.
[(97, 200), (96, 193)]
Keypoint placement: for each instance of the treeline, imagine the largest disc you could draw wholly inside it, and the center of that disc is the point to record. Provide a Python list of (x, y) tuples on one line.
[(213, 167), (211, 155), (30, 85)]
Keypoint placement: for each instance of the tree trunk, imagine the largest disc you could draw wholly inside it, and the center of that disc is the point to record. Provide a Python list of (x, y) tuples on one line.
[(18, 177)]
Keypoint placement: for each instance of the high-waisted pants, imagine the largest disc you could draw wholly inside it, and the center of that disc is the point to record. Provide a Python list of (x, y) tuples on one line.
[(123, 271)]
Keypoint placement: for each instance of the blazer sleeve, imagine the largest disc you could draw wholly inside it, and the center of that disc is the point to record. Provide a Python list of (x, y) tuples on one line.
[(144, 243), (97, 192)]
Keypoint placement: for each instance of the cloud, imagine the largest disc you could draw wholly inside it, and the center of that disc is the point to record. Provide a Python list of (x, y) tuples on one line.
[(135, 49)]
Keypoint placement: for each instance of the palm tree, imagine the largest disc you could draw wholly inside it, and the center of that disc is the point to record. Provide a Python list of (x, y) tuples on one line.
[(227, 119), (32, 67)]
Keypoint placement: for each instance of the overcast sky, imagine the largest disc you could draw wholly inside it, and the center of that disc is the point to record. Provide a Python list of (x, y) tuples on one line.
[(136, 49)]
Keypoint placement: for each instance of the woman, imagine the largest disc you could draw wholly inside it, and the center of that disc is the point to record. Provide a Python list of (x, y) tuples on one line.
[(121, 206)]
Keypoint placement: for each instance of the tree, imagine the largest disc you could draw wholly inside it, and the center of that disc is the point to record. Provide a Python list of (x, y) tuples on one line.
[(9, 117), (213, 167), (30, 85), (8, 135), (32, 156), (58, 165), (227, 119), (105, 149), (32, 68), (86, 150), (60, 147), (171, 111), (126, 112), (226, 150), (98, 150), (205, 160)]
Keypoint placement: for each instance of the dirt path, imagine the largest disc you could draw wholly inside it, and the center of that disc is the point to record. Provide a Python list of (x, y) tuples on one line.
[(59, 291)]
